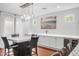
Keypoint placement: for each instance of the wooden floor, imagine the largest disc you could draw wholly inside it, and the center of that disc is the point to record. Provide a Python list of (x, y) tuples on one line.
[(45, 51), (41, 51)]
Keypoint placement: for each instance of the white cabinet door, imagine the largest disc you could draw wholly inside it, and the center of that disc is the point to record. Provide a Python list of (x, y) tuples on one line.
[(51, 42), (47, 41), (59, 43), (43, 41)]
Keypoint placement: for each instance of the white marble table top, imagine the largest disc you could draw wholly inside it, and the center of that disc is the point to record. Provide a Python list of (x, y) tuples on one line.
[(19, 39)]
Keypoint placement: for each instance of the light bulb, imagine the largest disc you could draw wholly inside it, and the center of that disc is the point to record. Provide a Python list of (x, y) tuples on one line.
[(58, 6)]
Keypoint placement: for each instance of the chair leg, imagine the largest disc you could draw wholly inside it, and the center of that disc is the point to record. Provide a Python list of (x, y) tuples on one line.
[(36, 51), (5, 52), (8, 52)]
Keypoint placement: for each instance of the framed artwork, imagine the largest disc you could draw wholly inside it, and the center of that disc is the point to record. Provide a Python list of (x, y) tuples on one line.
[(69, 18), (48, 22)]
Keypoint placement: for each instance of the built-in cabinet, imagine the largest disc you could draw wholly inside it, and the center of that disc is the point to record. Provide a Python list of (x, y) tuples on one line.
[(57, 42), (51, 42)]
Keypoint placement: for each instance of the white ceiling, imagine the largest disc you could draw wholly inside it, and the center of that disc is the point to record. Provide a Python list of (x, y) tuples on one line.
[(37, 8)]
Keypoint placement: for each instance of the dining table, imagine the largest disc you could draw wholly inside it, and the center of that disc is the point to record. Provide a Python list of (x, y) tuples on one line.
[(21, 49)]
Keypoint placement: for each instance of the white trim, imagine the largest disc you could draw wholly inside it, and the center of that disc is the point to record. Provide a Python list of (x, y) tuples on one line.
[(57, 35)]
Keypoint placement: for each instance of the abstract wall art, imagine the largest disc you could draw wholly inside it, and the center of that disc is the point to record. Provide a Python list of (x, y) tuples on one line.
[(48, 22)]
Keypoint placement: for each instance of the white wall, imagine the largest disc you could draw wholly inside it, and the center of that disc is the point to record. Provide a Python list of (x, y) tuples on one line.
[(62, 27), (77, 22)]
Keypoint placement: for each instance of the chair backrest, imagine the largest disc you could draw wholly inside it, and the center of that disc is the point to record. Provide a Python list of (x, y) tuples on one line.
[(34, 41), (15, 35), (64, 51), (6, 43), (56, 54)]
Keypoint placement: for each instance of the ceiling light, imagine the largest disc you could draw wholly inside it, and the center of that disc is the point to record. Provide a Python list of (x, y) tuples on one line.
[(23, 16), (28, 17), (26, 5), (44, 8), (58, 6)]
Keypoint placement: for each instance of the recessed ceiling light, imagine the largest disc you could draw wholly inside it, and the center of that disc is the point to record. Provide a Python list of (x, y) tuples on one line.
[(58, 6), (26, 5), (44, 8)]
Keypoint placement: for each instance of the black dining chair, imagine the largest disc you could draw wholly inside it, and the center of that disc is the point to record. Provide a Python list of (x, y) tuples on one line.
[(33, 44), (56, 54), (15, 35), (7, 46)]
